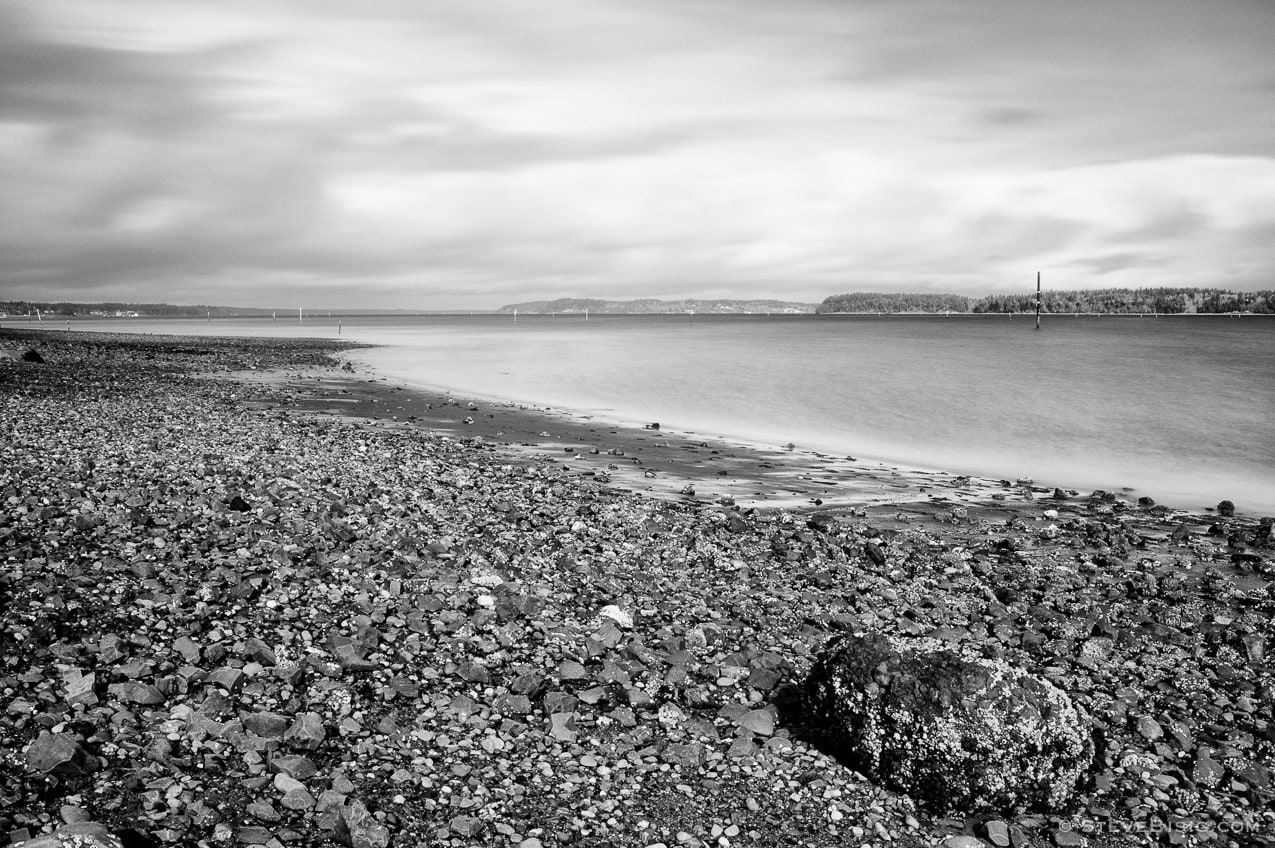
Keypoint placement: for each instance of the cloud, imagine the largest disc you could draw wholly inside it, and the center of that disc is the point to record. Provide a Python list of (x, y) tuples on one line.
[(458, 154)]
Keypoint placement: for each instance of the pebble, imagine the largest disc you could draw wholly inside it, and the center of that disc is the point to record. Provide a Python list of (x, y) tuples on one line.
[(430, 653)]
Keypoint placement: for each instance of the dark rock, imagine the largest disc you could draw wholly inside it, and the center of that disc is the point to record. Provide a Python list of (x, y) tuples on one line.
[(32, 355), (874, 552), (137, 693), (258, 651), (300, 768), (60, 753), (955, 733), (823, 522), (349, 654), (306, 732), (269, 725), (238, 504), (230, 679), (1226, 509), (358, 828)]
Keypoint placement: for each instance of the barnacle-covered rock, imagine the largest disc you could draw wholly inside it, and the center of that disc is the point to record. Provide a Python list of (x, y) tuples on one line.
[(956, 733), (77, 835)]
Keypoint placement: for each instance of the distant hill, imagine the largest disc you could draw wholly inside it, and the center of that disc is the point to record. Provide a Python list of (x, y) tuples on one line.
[(570, 305)]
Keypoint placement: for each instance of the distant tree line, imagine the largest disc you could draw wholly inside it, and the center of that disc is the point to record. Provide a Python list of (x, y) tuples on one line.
[(1166, 301), (894, 302)]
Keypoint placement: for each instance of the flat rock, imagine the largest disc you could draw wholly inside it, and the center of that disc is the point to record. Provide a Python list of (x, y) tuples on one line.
[(79, 835), (760, 722), (60, 753)]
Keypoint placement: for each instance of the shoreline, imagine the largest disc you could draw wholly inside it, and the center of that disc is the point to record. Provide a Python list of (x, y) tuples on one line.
[(731, 471), (231, 569), (826, 459)]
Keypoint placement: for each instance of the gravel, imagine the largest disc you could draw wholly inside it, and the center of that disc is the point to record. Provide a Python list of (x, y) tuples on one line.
[(227, 623)]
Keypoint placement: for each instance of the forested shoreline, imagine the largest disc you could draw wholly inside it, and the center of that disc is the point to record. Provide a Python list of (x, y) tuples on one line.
[(1165, 301)]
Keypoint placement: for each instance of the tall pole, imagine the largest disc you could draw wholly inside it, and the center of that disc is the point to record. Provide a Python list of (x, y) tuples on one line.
[(1037, 300)]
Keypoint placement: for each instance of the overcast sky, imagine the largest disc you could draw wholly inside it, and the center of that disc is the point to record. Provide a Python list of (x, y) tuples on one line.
[(434, 155)]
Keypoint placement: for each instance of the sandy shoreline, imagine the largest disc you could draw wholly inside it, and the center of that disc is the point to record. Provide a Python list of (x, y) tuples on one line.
[(656, 460), (340, 608)]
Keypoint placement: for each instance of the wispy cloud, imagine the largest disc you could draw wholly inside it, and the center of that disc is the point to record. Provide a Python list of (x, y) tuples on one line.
[(462, 154)]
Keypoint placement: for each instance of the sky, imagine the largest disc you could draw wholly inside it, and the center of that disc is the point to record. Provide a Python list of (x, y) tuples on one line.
[(456, 155)]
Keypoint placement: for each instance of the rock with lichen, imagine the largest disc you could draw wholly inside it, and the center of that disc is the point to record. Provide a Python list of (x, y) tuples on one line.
[(956, 733), (76, 835)]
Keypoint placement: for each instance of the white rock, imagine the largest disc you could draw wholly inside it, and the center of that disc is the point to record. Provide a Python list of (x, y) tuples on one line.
[(617, 615)]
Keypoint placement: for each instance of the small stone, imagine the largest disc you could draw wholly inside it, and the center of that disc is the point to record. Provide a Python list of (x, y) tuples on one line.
[(1149, 729), (571, 670), (300, 768), (252, 835), (263, 811), (306, 732), (619, 616), (258, 651), (230, 679), (297, 798), (1226, 509), (562, 726), (266, 724), (466, 826), (358, 828), (473, 672), (79, 689), (1069, 838), (189, 649), (761, 722), (961, 840), (874, 553), (998, 833), (132, 692), (1207, 772)]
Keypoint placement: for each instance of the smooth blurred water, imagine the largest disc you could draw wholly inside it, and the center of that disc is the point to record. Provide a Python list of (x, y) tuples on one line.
[(1178, 408)]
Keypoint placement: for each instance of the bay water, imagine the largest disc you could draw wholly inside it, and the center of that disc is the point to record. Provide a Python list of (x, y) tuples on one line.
[(1177, 408)]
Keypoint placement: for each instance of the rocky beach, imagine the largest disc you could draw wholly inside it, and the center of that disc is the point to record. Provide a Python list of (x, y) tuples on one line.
[(251, 597)]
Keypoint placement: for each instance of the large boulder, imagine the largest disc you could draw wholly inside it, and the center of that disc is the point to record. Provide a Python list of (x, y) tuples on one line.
[(28, 355), (958, 734)]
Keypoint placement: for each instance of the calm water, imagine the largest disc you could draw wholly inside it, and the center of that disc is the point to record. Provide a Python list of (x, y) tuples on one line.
[(1180, 409)]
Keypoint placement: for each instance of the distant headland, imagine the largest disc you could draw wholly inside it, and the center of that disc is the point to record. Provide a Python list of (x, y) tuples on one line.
[(1115, 301), (647, 306), (1163, 301)]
